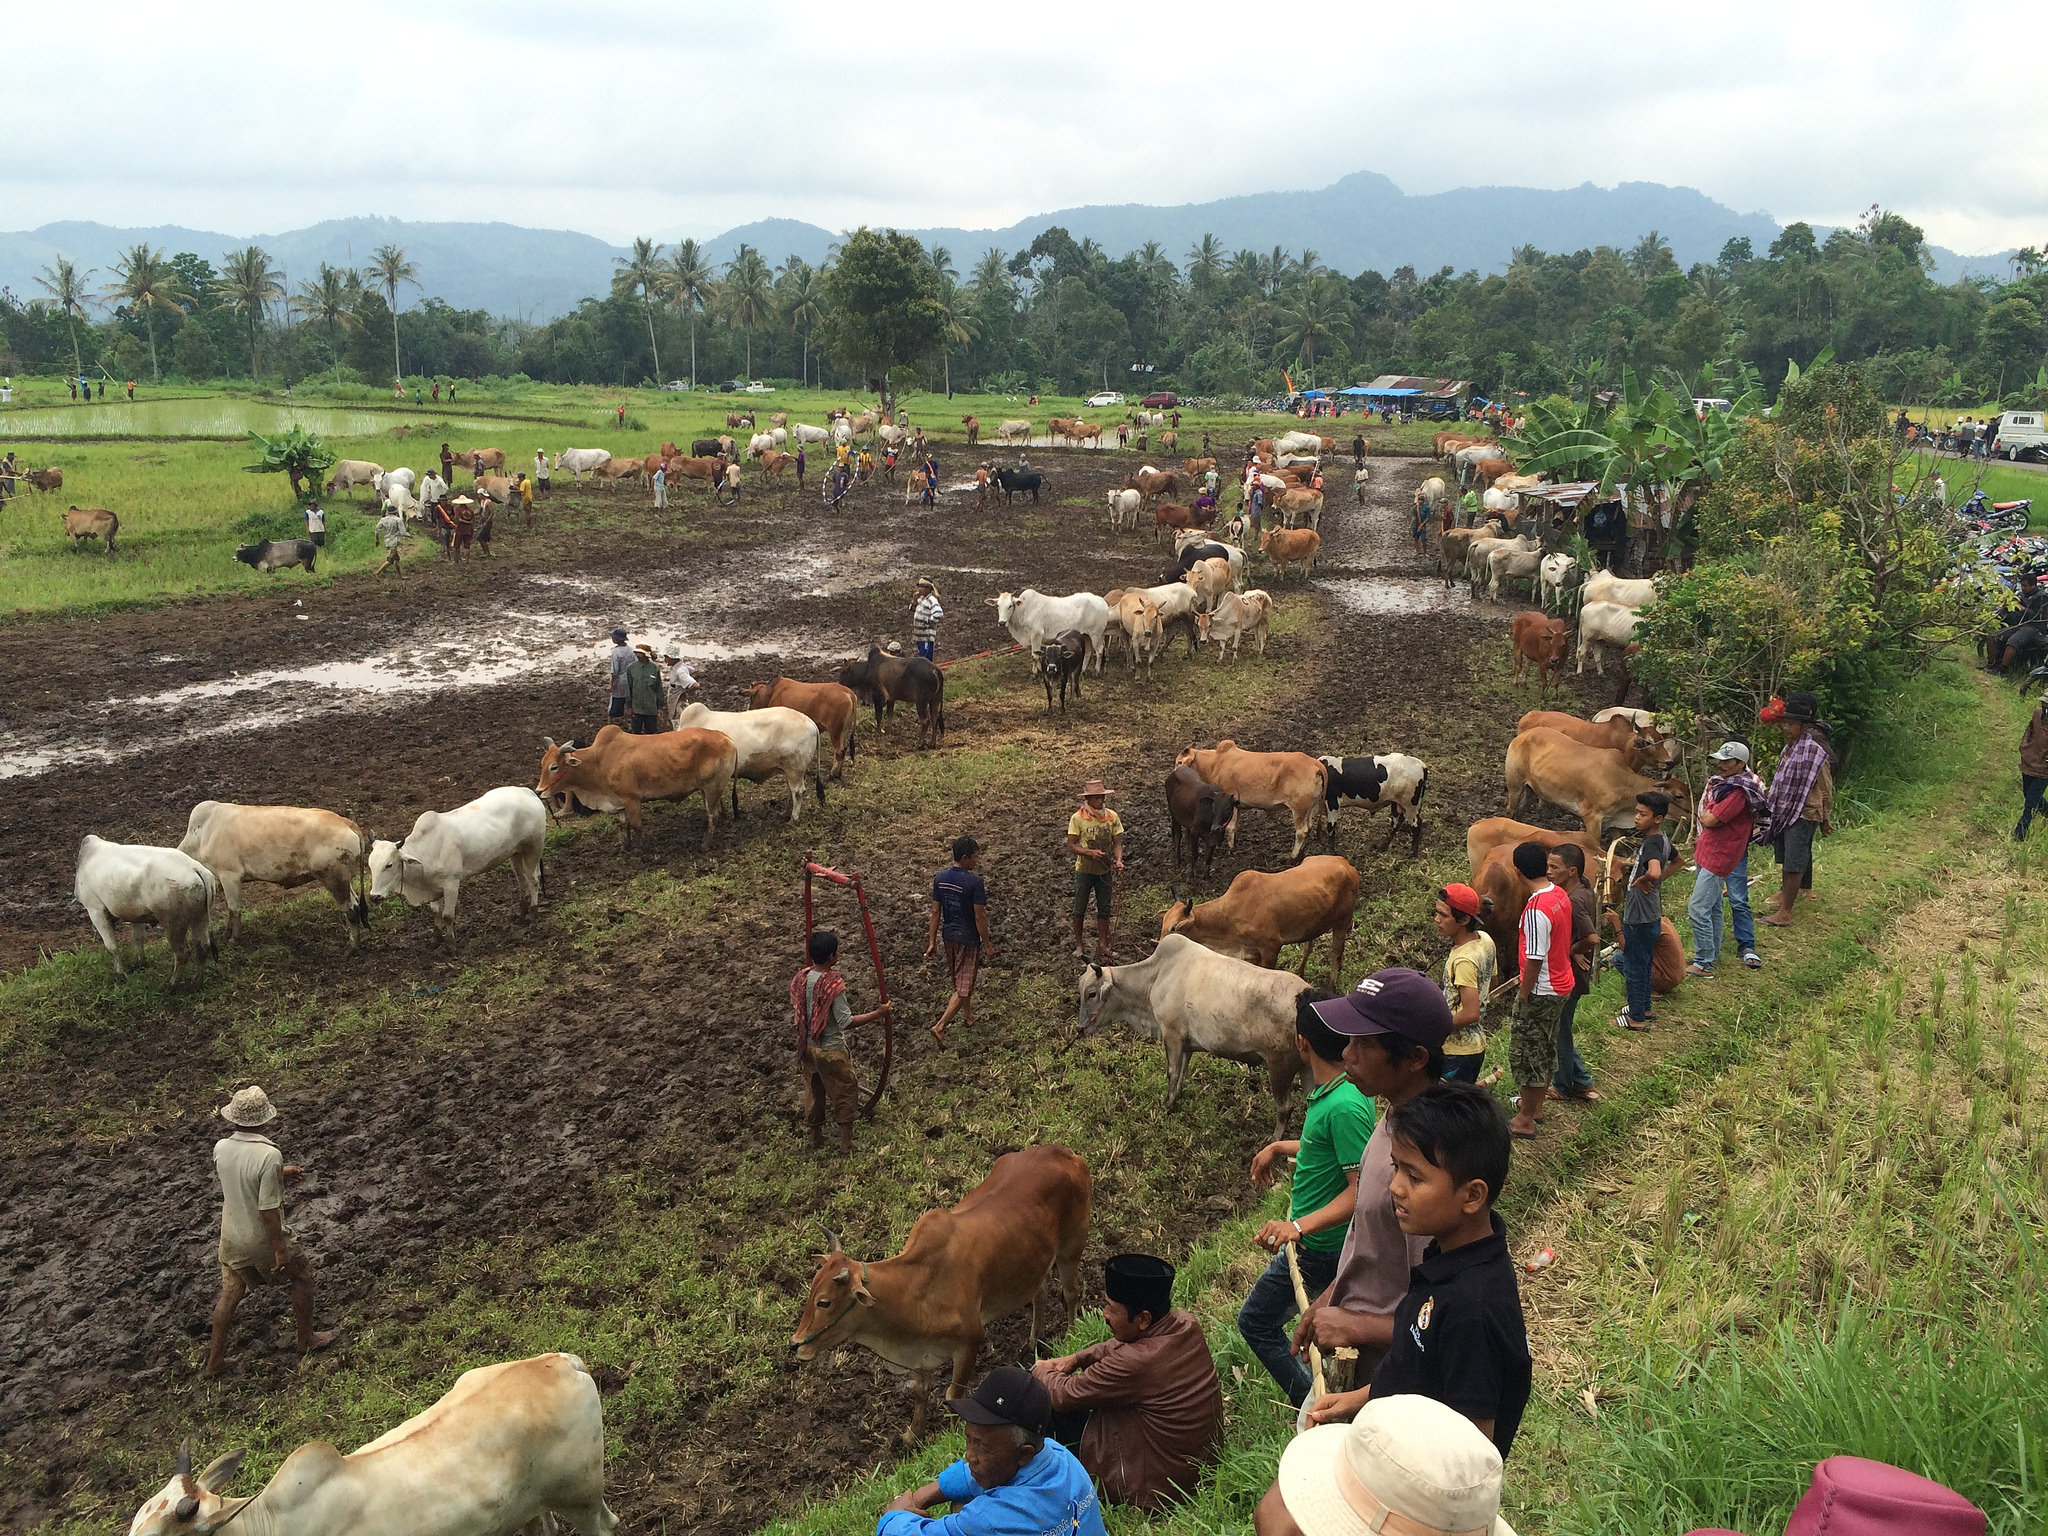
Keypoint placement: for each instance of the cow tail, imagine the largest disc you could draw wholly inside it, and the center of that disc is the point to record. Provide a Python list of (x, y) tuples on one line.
[(823, 747), (1421, 789), (359, 908)]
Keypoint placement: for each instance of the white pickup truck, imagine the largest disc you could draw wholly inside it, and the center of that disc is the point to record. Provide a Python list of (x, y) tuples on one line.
[(2021, 435)]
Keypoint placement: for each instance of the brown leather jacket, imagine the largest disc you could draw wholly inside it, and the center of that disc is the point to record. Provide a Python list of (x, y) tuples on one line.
[(1155, 1410), (2034, 746)]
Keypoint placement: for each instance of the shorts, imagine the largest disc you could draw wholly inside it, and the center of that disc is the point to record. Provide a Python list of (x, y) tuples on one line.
[(1464, 1069), (296, 1267), (319, 539), (1794, 848), (617, 711), (829, 1080), (1532, 1040), (963, 963), (1100, 885)]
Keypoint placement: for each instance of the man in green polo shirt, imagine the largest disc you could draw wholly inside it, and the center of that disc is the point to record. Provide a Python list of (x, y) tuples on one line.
[(1334, 1131)]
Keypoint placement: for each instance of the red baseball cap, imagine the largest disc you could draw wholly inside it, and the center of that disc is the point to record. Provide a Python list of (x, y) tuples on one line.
[(1461, 898)]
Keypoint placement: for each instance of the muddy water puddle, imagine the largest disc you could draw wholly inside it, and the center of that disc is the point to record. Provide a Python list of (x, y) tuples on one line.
[(1397, 594)]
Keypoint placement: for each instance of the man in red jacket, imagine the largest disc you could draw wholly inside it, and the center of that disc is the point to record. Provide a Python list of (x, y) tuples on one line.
[(1728, 810)]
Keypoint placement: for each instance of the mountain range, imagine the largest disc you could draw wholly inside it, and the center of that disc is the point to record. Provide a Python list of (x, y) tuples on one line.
[(1361, 221)]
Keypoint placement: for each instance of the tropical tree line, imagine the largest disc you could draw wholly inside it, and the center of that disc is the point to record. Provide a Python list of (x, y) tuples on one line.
[(1062, 315)]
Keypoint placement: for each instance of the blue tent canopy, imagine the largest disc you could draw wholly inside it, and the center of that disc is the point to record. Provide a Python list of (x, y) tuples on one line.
[(1360, 389)]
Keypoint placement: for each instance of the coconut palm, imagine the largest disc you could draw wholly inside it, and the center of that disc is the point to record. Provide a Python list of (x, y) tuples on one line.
[(688, 282), (642, 273), (992, 277), (389, 268), (747, 298), (65, 284), (327, 299), (801, 288), (1205, 261), (958, 327), (1317, 313), (248, 282), (144, 280), (941, 261)]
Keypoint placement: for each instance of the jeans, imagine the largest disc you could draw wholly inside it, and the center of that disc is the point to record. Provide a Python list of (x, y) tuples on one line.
[(1703, 911), (1573, 1075), (928, 649), (2036, 792), (1268, 1313), (1639, 947)]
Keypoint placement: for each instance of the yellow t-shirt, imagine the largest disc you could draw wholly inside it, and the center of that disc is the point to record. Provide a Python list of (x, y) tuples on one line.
[(1471, 964), (1098, 835)]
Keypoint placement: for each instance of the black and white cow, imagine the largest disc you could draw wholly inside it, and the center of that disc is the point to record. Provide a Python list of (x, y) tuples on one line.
[(278, 554), (1395, 781)]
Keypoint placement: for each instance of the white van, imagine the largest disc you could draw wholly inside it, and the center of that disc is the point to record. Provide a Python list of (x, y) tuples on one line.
[(2021, 435), (1713, 403)]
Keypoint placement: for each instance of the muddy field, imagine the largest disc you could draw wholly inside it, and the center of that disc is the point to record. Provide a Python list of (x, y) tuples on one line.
[(383, 699)]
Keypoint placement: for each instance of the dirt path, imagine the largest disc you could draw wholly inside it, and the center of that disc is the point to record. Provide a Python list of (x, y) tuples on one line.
[(383, 703)]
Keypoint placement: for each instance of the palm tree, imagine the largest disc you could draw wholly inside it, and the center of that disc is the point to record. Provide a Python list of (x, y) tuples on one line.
[(327, 299), (958, 328), (688, 283), (802, 289), (1317, 313), (992, 277), (144, 280), (249, 283), (64, 283), (1647, 256), (941, 261), (1205, 261), (1244, 267), (641, 273), (747, 299), (389, 268)]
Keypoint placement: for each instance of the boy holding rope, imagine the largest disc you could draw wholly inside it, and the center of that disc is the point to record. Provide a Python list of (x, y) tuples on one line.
[(817, 998)]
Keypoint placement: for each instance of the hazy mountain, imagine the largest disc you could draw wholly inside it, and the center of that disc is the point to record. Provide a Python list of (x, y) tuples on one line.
[(1361, 221)]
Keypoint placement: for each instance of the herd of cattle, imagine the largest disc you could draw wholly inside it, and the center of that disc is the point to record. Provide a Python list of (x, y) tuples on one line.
[(1211, 985)]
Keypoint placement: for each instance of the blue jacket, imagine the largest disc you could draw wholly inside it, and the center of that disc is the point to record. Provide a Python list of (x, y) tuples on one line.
[(1050, 1496)]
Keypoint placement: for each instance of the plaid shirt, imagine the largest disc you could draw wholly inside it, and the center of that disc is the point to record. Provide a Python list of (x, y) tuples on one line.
[(1798, 771)]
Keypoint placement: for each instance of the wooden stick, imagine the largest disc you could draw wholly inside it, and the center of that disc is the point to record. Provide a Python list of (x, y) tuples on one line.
[(1318, 1387)]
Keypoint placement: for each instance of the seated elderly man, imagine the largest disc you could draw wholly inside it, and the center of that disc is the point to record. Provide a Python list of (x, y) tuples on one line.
[(1144, 1405), (1012, 1481)]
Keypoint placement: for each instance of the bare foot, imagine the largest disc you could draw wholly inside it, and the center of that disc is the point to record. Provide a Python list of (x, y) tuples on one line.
[(217, 1367), (939, 1033), (322, 1340)]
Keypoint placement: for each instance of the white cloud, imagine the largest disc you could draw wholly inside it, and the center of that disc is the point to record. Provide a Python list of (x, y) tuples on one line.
[(633, 118)]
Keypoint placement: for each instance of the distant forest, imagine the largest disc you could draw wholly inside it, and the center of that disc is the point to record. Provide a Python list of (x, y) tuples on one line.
[(1061, 317)]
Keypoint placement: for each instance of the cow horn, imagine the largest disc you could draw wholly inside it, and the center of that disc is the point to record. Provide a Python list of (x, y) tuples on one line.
[(183, 1467), (832, 1243), (547, 743)]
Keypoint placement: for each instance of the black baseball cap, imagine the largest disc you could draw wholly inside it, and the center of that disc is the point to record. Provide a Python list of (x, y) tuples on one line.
[(1007, 1395), (1396, 1001)]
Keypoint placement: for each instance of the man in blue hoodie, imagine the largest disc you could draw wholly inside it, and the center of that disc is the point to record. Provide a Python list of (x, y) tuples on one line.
[(1013, 1481)]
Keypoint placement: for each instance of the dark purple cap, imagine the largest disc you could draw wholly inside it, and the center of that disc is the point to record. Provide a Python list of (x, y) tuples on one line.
[(1396, 1001)]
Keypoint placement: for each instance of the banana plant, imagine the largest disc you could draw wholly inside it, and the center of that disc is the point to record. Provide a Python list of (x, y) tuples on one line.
[(294, 452)]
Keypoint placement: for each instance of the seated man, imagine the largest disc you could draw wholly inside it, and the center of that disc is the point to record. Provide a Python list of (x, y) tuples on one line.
[(1144, 1405), (1011, 1482)]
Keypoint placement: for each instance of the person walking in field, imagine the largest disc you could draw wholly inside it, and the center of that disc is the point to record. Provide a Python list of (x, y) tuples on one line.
[(817, 998), (390, 529), (256, 1247), (540, 471), (617, 662), (447, 466), (959, 917), (526, 499), (316, 525), (661, 489), (924, 619), (622, 414), (1095, 837), (131, 391), (2033, 770)]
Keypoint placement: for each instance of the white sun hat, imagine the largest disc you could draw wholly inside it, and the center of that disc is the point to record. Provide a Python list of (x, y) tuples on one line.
[(250, 1106), (1407, 1466)]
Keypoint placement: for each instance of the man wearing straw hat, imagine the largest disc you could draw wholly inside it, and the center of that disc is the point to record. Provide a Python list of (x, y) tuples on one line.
[(644, 693), (1406, 1464), (1095, 837), (255, 1244)]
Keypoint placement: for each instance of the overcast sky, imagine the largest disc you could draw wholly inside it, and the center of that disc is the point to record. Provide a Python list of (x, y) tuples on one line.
[(670, 119)]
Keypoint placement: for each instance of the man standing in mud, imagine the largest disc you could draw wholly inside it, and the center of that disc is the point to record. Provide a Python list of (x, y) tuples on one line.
[(255, 1244)]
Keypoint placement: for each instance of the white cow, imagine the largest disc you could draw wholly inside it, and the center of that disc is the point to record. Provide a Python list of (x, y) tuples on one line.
[(1123, 508), (889, 436), (1506, 503), (1393, 780), (842, 433), (779, 436), (1297, 442), (506, 1447), (135, 883), (1559, 575), (1235, 616), (1606, 587), (444, 848), (1479, 554), (394, 487), (804, 434), (769, 741), (578, 460), (760, 443), (1641, 719), (1032, 618), (1193, 999), (1604, 624), (1013, 431), (283, 845), (1465, 458), (347, 474), (1511, 562)]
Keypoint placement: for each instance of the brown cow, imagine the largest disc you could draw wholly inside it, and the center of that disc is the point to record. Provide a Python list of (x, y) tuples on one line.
[(618, 771), (709, 469), (832, 706), (1196, 468), (1262, 912), (1619, 733), (1300, 506), (615, 469), (973, 426), (1171, 515), (82, 523), (775, 461), (1284, 546), (1265, 781), (495, 488), (1542, 639), (1503, 893), (735, 420), (1210, 578), (1486, 471), (1057, 426), (1495, 831), (45, 479), (477, 460), (1151, 483), (960, 1269), (1081, 432), (1592, 783)]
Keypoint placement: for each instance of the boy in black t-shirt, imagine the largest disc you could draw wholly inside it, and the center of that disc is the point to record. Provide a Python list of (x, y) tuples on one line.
[(1458, 1333)]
